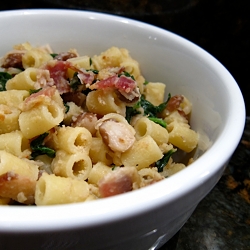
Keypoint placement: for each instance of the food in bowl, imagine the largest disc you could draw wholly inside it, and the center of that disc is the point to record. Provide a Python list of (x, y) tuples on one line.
[(85, 127)]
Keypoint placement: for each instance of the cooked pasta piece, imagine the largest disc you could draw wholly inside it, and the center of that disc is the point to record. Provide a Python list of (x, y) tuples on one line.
[(17, 178), (103, 102), (142, 154), (71, 139), (182, 136), (31, 78), (98, 171), (14, 142), (112, 57), (52, 189), (82, 62), (154, 92), (13, 97), (9, 117), (99, 152), (35, 58), (76, 166), (41, 112), (144, 127)]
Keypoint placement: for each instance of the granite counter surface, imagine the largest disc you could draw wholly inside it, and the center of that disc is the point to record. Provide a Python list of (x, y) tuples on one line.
[(221, 27)]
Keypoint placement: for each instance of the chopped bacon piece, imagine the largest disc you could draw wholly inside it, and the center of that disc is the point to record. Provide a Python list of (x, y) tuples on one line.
[(122, 83), (86, 77), (13, 60), (119, 181), (116, 135), (87, 120), (38, 98), (17, 187), (58, 72), (174, 103), (126, 86), (64, 56)]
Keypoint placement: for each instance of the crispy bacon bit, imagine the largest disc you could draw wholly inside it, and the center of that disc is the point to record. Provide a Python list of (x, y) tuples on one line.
[(116, 135), (126, 86), (58, 72), (13, 60), (86, 77), (119, 181), (43, 79), (17, 187), (64, 56), (174, 103), (38, 98), (87, 120), (122, 83)]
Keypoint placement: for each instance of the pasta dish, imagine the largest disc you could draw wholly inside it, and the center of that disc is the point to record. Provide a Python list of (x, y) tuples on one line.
[(76, 128)]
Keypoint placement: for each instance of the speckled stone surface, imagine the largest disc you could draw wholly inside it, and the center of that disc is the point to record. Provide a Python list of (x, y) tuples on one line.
[(222, 27)]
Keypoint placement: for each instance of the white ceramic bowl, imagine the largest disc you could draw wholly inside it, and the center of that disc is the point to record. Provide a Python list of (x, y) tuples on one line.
[(147, 218)]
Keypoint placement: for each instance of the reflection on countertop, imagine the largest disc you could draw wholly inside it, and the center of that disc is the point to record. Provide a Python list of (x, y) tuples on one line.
[(221, 27)]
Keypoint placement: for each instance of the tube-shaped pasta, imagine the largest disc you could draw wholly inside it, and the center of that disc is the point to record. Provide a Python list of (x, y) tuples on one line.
[(13, 97), (8, 119), (25, 80), (75, 166), (17, 178), (132, 67), (175, 116), (182, 136), (103, 102), (14, 142), (142, 154), (72, 139), (99, 152), (9, 162), (51, 190), (98, 171), (79, 62), (112, 57), (144, 127), (154, 92), (35, 58), (40, 119), (172, 168)]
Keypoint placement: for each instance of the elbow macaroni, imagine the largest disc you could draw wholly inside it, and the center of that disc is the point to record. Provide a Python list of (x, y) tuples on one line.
[(53, 154)]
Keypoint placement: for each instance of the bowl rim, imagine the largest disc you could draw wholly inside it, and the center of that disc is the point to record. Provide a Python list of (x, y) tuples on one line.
[(121, 208)]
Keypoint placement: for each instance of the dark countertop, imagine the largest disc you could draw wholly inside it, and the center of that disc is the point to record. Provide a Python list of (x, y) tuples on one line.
[(221, 27)]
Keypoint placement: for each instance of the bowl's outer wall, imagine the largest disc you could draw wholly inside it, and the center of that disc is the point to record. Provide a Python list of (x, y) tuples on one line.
[(159, 210), (140, 232)]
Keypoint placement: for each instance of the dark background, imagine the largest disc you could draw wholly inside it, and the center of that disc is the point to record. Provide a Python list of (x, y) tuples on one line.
[(221, 27)]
